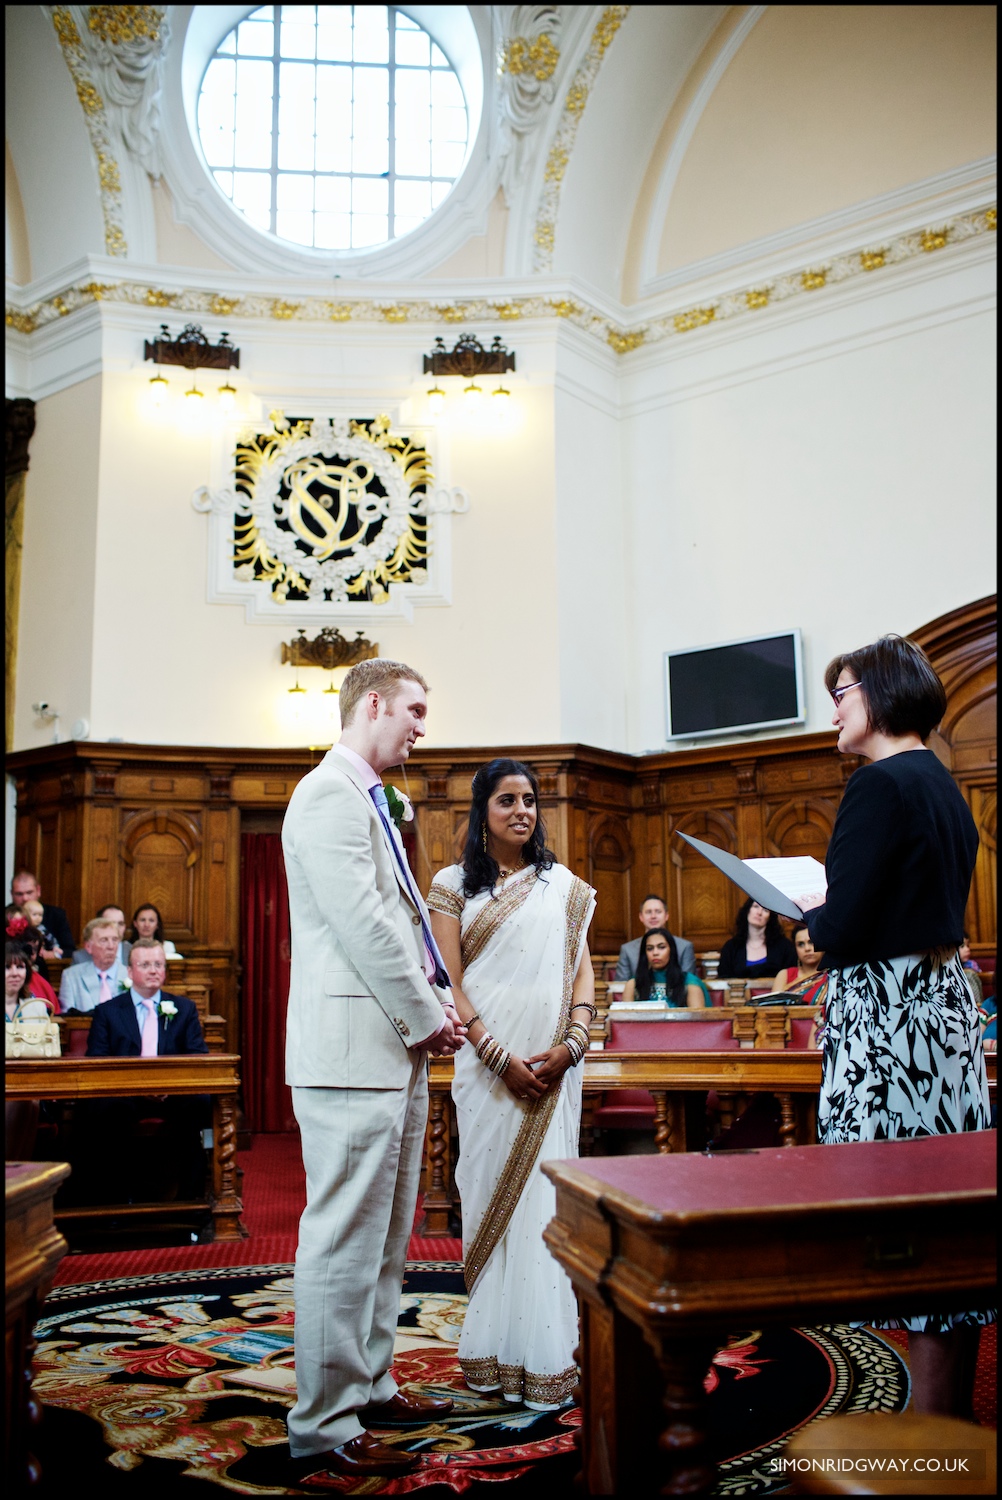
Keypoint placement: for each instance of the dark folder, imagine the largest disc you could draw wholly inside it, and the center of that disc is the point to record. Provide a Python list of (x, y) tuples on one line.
[(750, 881)]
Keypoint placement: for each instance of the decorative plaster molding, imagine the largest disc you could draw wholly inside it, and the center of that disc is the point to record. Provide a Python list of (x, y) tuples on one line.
[(253, 558), (544, 233), (125, 46), (68, 21), (527, 61), (672, 320)]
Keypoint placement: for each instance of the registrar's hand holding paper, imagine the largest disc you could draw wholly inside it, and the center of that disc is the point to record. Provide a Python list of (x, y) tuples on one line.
[(773, 883)]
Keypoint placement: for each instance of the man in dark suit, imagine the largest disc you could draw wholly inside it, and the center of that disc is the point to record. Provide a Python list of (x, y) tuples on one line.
[(24, 887), (146, 1021)]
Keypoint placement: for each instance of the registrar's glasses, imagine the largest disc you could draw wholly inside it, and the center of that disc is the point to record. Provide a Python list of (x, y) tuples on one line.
[(839, 693)]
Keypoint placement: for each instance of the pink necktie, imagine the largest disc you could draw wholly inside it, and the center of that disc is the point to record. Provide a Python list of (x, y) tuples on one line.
[(105, 991), (149, 1031)]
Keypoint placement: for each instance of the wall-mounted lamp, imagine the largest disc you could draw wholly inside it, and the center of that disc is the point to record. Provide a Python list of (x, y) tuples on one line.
[(502, 391), (191, 350), (468, 358), (328, 649), (194, 392)]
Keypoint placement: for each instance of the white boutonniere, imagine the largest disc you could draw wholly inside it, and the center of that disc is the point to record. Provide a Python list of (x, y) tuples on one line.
[(168, 1010), (400, 805), (126, 983)]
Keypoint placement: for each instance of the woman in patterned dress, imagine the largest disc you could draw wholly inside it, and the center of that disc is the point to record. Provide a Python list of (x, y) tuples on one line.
[(512, 923), (902, 1048)]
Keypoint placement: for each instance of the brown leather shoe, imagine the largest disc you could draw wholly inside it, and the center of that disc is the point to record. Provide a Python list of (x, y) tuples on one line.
[(360, 1456), (413, 1407)]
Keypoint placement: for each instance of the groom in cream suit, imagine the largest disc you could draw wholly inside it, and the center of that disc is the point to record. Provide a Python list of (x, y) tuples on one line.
[(368, 1000)]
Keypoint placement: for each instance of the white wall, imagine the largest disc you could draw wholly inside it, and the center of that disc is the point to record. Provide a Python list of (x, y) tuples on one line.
[(834, 472), (55, 644)]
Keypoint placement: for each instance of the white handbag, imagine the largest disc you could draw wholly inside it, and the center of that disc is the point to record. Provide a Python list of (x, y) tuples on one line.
[(26, 1037)]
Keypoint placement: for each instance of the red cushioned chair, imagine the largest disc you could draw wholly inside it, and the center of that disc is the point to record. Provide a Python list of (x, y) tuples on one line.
[(633, 1109), (802, 1034)]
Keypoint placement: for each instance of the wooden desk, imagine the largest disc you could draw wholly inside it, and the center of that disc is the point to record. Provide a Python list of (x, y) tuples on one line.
[(670, 1253), (34, 1249), (128, 1077), (667, 1075)]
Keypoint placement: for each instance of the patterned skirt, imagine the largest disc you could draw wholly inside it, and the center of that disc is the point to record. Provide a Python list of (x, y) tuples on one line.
[(903, 1057)]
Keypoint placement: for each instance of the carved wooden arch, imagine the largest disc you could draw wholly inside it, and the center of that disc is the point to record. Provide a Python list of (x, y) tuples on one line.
[(701, 902), (160, 849), (962, 646), (609, 845), (800, 810), (702, 825)]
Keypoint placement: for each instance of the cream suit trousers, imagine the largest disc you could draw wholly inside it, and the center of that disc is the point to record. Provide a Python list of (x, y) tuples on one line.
[(362, 1151)]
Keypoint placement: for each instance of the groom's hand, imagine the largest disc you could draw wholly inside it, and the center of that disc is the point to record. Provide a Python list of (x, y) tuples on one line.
[(448, 1039)]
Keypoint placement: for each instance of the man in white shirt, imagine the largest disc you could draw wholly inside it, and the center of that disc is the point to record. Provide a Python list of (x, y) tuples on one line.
[(368, 1000), (101, 975)]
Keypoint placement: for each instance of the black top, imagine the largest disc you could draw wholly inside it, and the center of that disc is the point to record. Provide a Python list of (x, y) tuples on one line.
[(899, 863), (56, 920), (779, 954)]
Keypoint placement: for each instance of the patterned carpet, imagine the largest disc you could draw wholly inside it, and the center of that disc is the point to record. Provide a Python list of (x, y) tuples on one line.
[(152, 1382)]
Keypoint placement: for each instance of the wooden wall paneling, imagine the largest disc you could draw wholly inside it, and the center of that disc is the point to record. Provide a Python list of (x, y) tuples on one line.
[(703, 901), (610, 858), (798, 826), (962, 646), (161, 853)]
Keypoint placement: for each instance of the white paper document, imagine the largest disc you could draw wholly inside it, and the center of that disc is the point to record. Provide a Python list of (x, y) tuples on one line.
[(763, 879), (800, 876)]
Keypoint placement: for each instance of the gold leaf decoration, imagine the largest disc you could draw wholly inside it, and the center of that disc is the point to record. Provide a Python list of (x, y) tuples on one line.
[(934, 239), (339, 312), (758, 298), (565, 309), (990, 218), (609, 23), (811, 280), (509, 311), (696, 317), (284, 310), (223, 306), (556, 165), (157, 298), (872, 260), (114, 240), (538, 57), (577, 98), (89, 98), (452, 313), (544, 236), (124, 23), (622, 343), (107, 171), (397, 313), (23, 322), (331, 510)]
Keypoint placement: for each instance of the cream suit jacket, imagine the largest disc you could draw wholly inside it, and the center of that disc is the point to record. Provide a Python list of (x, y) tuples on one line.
[(358, 994)]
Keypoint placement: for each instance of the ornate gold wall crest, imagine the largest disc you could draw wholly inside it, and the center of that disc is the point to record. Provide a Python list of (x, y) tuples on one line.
[(331, 510)]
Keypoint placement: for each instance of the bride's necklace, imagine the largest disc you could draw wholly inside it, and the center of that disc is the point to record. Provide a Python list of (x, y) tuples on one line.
[(503, 874)]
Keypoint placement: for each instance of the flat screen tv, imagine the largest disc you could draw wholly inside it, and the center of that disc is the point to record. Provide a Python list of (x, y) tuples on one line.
[(735, 686)]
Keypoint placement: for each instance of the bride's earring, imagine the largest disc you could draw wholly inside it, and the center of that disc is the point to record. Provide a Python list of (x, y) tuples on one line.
[(483, 837)]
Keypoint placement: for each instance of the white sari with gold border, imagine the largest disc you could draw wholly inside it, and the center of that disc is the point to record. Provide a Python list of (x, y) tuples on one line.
[(520, 952)]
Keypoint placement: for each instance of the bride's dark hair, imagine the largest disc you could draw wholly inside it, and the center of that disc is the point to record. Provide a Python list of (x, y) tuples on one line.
[(479, 869)]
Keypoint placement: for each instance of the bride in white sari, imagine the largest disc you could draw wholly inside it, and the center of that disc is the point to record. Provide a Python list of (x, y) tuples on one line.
[(513, 923)]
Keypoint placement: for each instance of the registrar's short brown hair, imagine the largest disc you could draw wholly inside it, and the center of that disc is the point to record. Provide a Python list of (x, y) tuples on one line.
[(902, 691), (376, 676)]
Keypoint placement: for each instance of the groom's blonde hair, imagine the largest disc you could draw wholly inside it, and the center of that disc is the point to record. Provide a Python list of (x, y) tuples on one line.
[(376, 676)]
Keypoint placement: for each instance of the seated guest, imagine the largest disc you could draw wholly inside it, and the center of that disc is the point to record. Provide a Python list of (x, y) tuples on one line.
[(100, 976), (964, 952), (24, 887), (35, 912), (110, 914), (804, 984), (653, 913), (20, 1002), (758, 949), (146, 1021), (660, 978), (148, 923)]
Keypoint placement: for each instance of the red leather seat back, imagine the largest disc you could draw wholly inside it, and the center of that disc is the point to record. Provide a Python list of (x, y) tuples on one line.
[(672, 1036), (77, 1043), (802, 1033)]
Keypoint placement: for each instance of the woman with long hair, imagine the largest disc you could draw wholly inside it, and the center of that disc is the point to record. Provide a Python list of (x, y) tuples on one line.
[(148, 923), (659, 976), (903, 1054), (803, 983), (758, 949), (512, 923), (19, 998)]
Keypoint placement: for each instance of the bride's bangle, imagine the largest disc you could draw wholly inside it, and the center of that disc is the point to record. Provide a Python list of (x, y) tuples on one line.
[(492, 1054)]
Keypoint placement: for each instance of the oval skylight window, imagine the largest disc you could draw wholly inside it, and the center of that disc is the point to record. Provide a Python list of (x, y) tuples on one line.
[(332, 126)]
